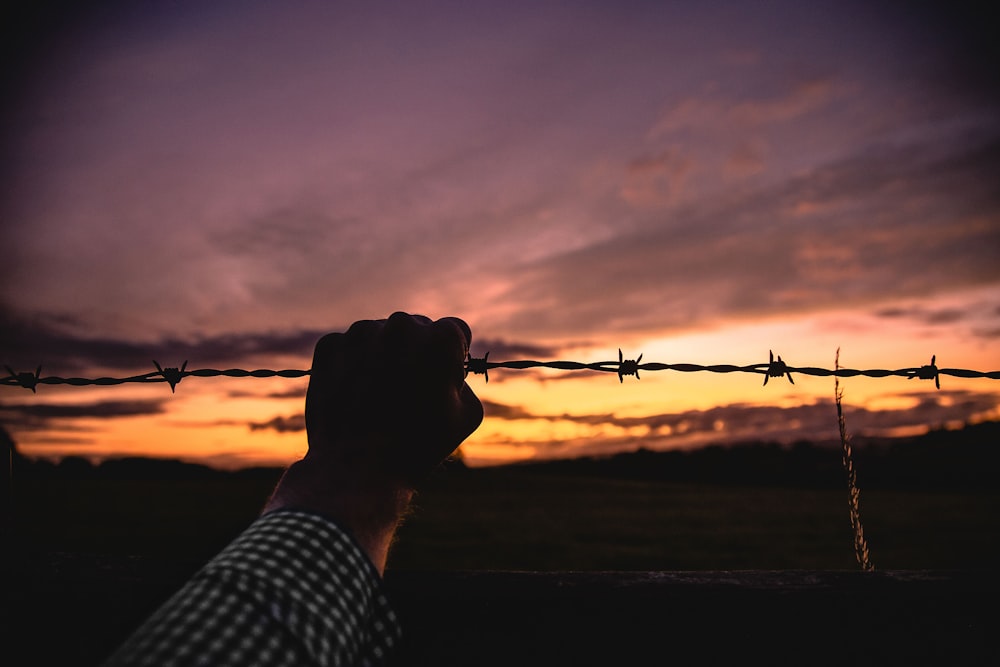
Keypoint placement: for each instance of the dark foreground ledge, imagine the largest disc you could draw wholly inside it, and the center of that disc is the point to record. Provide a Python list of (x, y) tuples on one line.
[(774, 617), (73, 609)]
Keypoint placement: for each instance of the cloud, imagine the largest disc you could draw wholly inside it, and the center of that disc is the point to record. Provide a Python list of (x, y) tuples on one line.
[(54, 415), (58, 440), (886, 223), (941, 316), (987, 333), (95, 410), (746, 159), (743, 422), (977, 317), (494, 410), (297, 392), (501, 349), (715, 111), (61, 347), (657, 180), (290, 424), (803, 97)]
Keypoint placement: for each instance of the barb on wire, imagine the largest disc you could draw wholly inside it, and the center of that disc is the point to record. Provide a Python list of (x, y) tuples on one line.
[(777, 369), (478, 366), (26, 380), (928, 372), (774, 367), (628, 366), (172, 375)]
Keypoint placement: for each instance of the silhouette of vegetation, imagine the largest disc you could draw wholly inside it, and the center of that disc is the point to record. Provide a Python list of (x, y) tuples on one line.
[(940, 459)]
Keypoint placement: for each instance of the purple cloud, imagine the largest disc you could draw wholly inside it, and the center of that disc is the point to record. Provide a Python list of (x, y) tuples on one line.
[(39, 416), (61, 348), (290, 424)]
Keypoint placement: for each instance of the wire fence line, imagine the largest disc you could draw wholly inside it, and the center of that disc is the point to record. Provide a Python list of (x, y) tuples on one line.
[(773, 368)]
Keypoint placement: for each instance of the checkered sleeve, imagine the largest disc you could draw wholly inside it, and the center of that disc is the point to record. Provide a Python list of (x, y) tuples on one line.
[(293, 589)]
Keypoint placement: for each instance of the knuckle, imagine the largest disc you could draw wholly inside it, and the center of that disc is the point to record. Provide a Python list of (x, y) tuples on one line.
[(327, 346)]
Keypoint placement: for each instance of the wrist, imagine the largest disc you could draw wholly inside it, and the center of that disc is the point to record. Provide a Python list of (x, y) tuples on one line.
[(367, 505)]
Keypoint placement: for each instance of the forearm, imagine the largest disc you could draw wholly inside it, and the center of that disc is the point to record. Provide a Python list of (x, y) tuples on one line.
[(369, 507), (293, 588)]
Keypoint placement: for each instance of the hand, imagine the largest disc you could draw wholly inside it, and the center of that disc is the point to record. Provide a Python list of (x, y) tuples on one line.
[(389, 398), (387, 402)]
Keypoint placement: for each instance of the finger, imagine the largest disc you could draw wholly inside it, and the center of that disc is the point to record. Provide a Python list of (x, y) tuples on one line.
[(326, 367), (365, 328), (327, 352), (402, 327), (422, 319), (450, 336), (362, 349), (399, 317), (462, 326), (341, 362), (472, 411)]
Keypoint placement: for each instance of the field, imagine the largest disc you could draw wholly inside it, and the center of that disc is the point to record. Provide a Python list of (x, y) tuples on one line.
[(511, 519), (94, 554), (502, 520)]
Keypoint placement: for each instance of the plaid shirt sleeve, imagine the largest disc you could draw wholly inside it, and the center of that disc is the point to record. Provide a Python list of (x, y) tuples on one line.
[(293, 589)]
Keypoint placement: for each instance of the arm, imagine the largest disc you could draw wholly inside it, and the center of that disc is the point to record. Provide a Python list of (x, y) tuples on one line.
[(369, 511), (387, 402)]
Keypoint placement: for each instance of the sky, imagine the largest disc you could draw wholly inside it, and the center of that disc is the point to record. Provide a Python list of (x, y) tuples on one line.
[(698, 182)]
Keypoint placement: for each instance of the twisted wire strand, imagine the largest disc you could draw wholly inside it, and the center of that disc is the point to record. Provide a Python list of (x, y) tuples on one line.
[(612, 366), (774, 368)]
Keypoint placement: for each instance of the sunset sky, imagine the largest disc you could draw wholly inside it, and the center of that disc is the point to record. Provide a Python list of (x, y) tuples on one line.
[(698, 182)]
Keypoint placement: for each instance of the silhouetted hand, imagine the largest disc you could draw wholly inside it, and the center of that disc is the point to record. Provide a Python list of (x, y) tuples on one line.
[(387, 402), (389, 397)]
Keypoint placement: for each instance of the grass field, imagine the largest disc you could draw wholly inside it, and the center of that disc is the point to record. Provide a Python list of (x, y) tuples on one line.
[(507, 519), (95, 556)]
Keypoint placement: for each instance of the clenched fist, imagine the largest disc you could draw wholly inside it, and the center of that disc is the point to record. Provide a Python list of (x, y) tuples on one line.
[(387, 402), (389, 396)]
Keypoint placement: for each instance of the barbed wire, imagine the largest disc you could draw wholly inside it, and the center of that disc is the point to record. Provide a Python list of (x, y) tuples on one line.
[(773, 368)]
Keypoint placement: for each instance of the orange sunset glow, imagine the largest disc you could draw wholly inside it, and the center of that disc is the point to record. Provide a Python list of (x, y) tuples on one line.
[(698, 183)]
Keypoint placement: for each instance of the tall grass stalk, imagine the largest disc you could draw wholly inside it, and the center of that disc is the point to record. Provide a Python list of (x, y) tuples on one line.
[(854, 495)]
